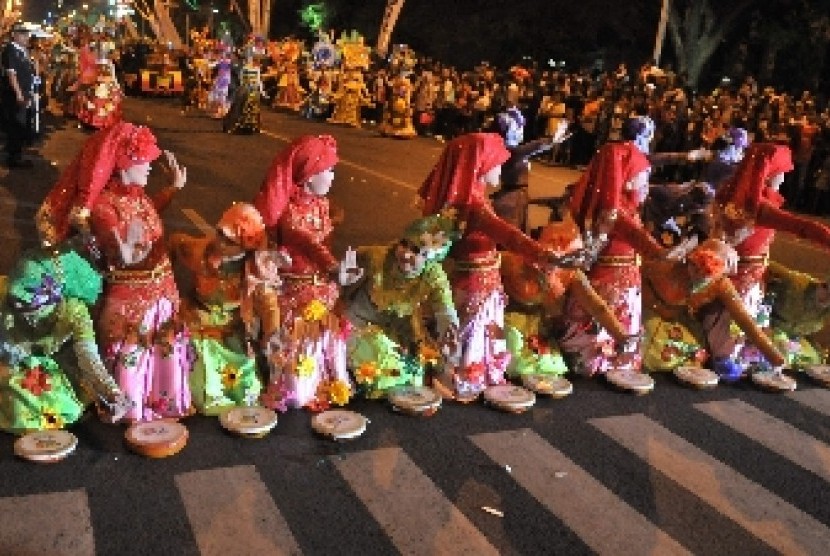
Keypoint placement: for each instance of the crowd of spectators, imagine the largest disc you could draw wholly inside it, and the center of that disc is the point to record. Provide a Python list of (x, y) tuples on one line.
[(448, 102)]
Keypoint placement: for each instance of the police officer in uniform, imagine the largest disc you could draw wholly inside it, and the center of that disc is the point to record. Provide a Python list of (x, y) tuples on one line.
[(16, 90)]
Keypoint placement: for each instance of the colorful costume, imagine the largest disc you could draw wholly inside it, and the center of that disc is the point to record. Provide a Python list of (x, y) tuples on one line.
[(244, 115), (397, 112), (225, 370), (605, 202), (144, 346), (217, 101), (41, 385), (456, 184), (100, 106), (402, 286), (750, 214), (308, 353)]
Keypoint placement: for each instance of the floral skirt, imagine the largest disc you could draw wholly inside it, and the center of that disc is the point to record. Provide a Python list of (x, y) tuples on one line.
[(223, 376), (36, 395), (379, 364), (152, 365), (308, 368)]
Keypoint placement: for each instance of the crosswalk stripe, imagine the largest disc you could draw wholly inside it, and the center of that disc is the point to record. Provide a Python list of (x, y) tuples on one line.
[(574, 496), (768, 517), (774, 434), (231, 512), (817, 399), (56, 523), (406, 503)]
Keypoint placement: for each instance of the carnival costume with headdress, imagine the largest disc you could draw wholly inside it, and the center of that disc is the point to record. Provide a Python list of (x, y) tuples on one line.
[(747, 205), (308, 368), (46, 304), (228, 274), (349, 98), (603, 204), (392, 343), (218, 102), (397, 112), (455, 184), (144, 345), (100, 105), (244, 114)]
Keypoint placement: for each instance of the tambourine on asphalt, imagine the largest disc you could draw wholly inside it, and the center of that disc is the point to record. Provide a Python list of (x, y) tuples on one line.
[(509, 397), (250, 422), (339, 424), (819, 373), (419, 401), (696, 377), (156, 439), (552, 386), (47, 446), (630, 381), (774, 381)]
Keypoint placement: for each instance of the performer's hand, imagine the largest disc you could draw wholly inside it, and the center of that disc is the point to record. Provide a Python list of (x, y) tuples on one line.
[(134, 246), (178, 172), (561, 134), (682, 249), (349, 273), (698, 154), (450, 344)]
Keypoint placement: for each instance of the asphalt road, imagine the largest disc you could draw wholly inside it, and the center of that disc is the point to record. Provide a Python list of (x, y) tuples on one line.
[(729, 471)]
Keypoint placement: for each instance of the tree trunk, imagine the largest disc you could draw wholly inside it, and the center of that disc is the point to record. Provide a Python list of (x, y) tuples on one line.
[(390, 17)]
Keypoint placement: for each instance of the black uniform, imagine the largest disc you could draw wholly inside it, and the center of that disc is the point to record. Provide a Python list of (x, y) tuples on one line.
[(15, 58)]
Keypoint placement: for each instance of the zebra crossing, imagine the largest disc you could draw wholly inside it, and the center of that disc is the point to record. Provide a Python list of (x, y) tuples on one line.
[(639, 484)]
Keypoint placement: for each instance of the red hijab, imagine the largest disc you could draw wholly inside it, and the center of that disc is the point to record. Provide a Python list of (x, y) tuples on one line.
[(114, 148), (748, 187), (601, 187), (456, 178), (305, 157)]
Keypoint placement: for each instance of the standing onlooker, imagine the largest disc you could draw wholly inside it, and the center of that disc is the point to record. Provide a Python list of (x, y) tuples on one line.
[(16, 94)]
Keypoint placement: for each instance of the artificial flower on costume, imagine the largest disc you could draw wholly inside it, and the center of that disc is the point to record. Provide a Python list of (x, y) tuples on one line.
[(428, 355), (367, 372), (306, 366), (230, 377), (314, 311), (36, 381), (339, 392), (50, 418), (474, 372)]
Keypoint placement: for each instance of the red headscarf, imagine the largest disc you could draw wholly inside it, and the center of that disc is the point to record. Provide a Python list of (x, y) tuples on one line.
[(455, 179), (600, 188), (747, 187), (305, 157), (114, 148)]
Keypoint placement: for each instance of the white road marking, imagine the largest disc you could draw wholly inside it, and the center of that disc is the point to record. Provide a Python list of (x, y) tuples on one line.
[(231, 512), (776, 435), (56, 523), (414, 513), (574, 496), (773, 520), (816, 399)]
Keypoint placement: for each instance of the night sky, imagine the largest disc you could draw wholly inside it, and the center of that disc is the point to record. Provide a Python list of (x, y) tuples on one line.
[(464, 32)]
